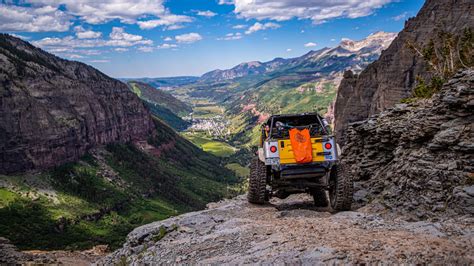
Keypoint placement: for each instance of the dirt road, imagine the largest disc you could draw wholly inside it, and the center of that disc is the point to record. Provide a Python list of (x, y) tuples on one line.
[(294, 231)]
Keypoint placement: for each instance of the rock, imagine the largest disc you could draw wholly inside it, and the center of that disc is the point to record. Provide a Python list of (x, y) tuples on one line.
[(393, 76), (53, 110), (416, 154)]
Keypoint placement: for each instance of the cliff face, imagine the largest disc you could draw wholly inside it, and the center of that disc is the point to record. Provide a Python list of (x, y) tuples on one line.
[(53, 110), (392, 77), (417, 159)]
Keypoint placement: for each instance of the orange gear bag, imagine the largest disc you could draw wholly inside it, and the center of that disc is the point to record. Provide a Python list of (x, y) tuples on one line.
[(301, 144)]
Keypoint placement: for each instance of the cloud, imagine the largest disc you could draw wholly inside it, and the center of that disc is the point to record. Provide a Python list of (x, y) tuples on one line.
[(99, 61), (206, 13), (69, 45), (259, 26), (98, 12), (316, 10), (289, 50), (171, 22), (403, 15), (121, 50), (166, 46), (57, 15), (168, 39), (81, 33), (145, 49), (240, 26), (333, 40), (226, 2), (188, 37), (310, 44), (231, 37), (29, 19)]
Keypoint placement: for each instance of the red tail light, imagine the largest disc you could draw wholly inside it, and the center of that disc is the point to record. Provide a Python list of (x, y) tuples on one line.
[(328, 146), (273, 149)]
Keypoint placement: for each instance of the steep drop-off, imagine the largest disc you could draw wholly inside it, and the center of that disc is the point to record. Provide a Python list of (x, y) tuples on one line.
[(53, 110), (393, 76)]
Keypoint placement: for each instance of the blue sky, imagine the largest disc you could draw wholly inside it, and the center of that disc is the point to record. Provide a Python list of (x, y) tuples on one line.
[(156, 38)]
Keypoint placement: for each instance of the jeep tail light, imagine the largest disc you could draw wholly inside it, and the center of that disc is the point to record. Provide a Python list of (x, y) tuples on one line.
[(273, 149), (328, 146)]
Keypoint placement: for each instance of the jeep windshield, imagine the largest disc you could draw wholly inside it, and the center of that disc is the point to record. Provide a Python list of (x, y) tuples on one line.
[(279, 125)]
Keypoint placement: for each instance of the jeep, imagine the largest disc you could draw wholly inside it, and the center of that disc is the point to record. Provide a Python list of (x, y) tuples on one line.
[(297, 153)]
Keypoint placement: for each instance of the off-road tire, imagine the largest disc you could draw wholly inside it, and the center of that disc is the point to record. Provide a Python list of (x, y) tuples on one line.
[(320, 198), (257, 182), (341, 189)]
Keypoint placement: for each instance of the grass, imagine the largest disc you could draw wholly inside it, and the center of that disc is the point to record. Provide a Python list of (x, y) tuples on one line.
[(238, 169), (215, 147), (6, 197)]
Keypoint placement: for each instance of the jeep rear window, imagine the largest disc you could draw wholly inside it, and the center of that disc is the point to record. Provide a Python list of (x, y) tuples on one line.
[(283, 124)]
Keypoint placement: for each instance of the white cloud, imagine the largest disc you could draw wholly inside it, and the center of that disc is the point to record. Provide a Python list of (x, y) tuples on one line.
[(166, 46), (169, 21), (401, 16), (99, 61), (119, 33), (231, 37), (145, 49), (316, 10), (289, 50), (226, 2), (310, 44), (57, 15), (81, 33), (333, 40), (121, 50), (168, 39), (30, 19), (188, 37), (240, 26), (97, 12), (206, 13), (20, 36), (259, 26)]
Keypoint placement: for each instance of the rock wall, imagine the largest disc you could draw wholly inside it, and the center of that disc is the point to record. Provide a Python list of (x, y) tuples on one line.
[(53, 110), (392, 77), (418, 158)]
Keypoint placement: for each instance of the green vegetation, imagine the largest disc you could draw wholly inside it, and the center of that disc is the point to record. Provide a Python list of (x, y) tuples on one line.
[(102, 197), (167, 116), (216, 147), (239, 170), (445, 55)]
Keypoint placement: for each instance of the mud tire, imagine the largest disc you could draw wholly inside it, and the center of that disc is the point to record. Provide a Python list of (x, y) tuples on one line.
[(320, 198), (257, 182), (341, 189)]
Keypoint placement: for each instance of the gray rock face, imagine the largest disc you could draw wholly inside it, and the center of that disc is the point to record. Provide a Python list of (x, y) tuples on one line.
[(53, 110), (418, 158), (292, 231), (392, 77)]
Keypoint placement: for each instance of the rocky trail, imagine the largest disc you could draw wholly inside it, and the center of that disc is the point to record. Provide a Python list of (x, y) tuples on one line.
[(294, 231)]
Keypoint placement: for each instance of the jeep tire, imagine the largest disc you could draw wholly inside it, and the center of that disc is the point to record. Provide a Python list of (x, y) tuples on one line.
[(257, 182), (320, 198), (341, 189)]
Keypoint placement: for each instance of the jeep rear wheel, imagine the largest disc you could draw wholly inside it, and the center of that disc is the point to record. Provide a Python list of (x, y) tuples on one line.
[(257, 182), (320, 199), (341, 189)]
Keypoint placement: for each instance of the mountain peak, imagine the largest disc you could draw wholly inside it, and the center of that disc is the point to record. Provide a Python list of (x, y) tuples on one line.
[(379, 38)]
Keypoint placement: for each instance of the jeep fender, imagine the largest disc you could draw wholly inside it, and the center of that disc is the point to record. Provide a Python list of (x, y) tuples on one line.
[(261, 155)]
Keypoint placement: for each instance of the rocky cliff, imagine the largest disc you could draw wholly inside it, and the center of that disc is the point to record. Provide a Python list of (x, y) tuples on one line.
[(392, 77), (417, 159), (53, 110)]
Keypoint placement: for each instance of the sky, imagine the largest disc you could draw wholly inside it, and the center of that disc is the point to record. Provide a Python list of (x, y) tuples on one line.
[(161, 38)]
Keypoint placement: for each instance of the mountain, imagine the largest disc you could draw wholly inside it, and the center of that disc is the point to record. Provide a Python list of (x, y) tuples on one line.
[(394, 75), (357, 54), (83, 161), (303, 84), (165, 82), (162, 104), (52, 110)]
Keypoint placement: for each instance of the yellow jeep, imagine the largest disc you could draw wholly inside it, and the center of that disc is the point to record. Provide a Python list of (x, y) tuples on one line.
[(306, 162)]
